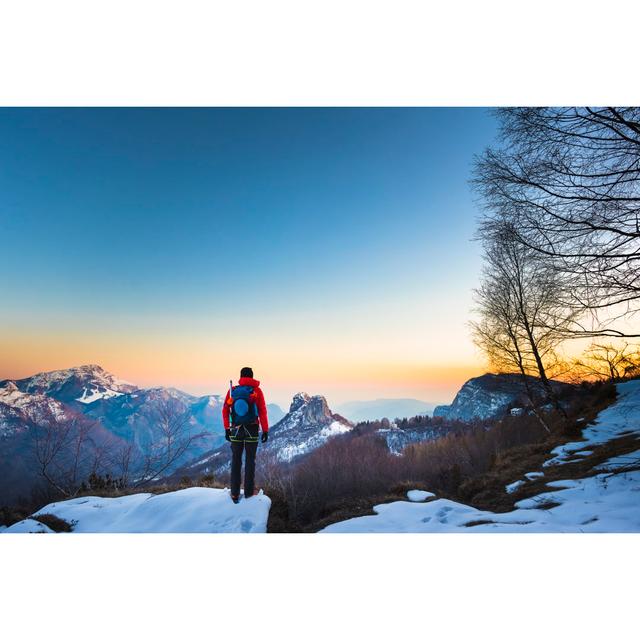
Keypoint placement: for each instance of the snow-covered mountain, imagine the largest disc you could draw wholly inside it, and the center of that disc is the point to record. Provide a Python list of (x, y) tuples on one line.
[(362, 410), (489, 395), (84, 384), (31, 422), (309, 424)]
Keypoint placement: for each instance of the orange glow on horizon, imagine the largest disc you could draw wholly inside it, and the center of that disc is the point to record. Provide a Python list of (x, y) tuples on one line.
[(201, 368)]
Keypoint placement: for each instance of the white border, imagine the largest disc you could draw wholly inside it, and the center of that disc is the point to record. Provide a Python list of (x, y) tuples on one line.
[(328, 52), (301, 586), (259, 52)]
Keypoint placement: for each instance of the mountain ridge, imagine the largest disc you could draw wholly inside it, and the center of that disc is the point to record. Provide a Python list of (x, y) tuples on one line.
[(490, 395)]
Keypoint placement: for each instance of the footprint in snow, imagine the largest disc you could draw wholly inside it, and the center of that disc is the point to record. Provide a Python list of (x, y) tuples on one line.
[(442, 514)]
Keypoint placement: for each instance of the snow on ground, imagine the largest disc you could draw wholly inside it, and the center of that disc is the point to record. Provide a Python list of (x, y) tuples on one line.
[(514, 486), (192, 510), (620, 418), (607, 502), (617, 463), (532, 475), (28, 526), (334, 429), (416, 495), (596, 504)]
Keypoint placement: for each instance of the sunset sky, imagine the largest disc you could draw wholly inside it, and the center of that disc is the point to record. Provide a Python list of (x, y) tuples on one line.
[(330, 249)]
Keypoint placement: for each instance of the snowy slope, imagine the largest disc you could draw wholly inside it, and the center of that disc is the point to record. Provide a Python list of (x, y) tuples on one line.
[(596, 504), (619, 419), (193, 510), (606, 502)]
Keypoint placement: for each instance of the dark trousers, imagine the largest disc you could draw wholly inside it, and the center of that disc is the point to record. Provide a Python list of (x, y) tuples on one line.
[(250, 449)]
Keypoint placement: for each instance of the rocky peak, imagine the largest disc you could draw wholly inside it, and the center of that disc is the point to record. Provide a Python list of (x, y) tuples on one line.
[(298, 401), (313, 409), (89, 368)]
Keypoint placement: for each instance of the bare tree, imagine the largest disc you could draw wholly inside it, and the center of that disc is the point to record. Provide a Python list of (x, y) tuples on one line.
[(568, 180), (172, 420), (123, 460), (64, 450), (522, 313)]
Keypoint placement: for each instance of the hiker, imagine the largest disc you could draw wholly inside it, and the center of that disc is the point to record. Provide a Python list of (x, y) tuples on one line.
[(244, 413)]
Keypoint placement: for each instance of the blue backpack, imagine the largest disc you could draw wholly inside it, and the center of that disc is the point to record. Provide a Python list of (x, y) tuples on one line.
[(243, 409)]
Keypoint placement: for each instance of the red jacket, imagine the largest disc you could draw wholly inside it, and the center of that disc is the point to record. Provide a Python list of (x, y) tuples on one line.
[(263, 420)]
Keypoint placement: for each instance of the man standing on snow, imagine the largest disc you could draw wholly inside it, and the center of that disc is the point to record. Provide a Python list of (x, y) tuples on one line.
[(244, 413)]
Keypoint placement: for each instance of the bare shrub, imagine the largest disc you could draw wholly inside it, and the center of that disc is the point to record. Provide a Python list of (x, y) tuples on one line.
[(54, 522), (608, 361)]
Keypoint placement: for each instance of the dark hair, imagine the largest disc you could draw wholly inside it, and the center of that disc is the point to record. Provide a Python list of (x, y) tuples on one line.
[(246, 372)]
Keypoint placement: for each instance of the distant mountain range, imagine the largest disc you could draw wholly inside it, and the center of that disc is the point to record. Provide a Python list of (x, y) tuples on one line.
[(118, 411), (122, 414), (363, 410)]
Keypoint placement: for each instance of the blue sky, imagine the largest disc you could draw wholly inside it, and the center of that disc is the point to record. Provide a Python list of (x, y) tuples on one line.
[(259, 230)]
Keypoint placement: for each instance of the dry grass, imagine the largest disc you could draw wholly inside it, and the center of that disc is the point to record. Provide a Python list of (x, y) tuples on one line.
[(486, 491), (349, 475), (11, 515), (54, 523)]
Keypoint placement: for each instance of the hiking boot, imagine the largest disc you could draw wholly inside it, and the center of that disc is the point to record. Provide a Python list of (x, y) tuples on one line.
[(236, 499)]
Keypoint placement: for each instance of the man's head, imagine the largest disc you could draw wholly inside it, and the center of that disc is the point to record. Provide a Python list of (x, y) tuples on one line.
[(246, 372)]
